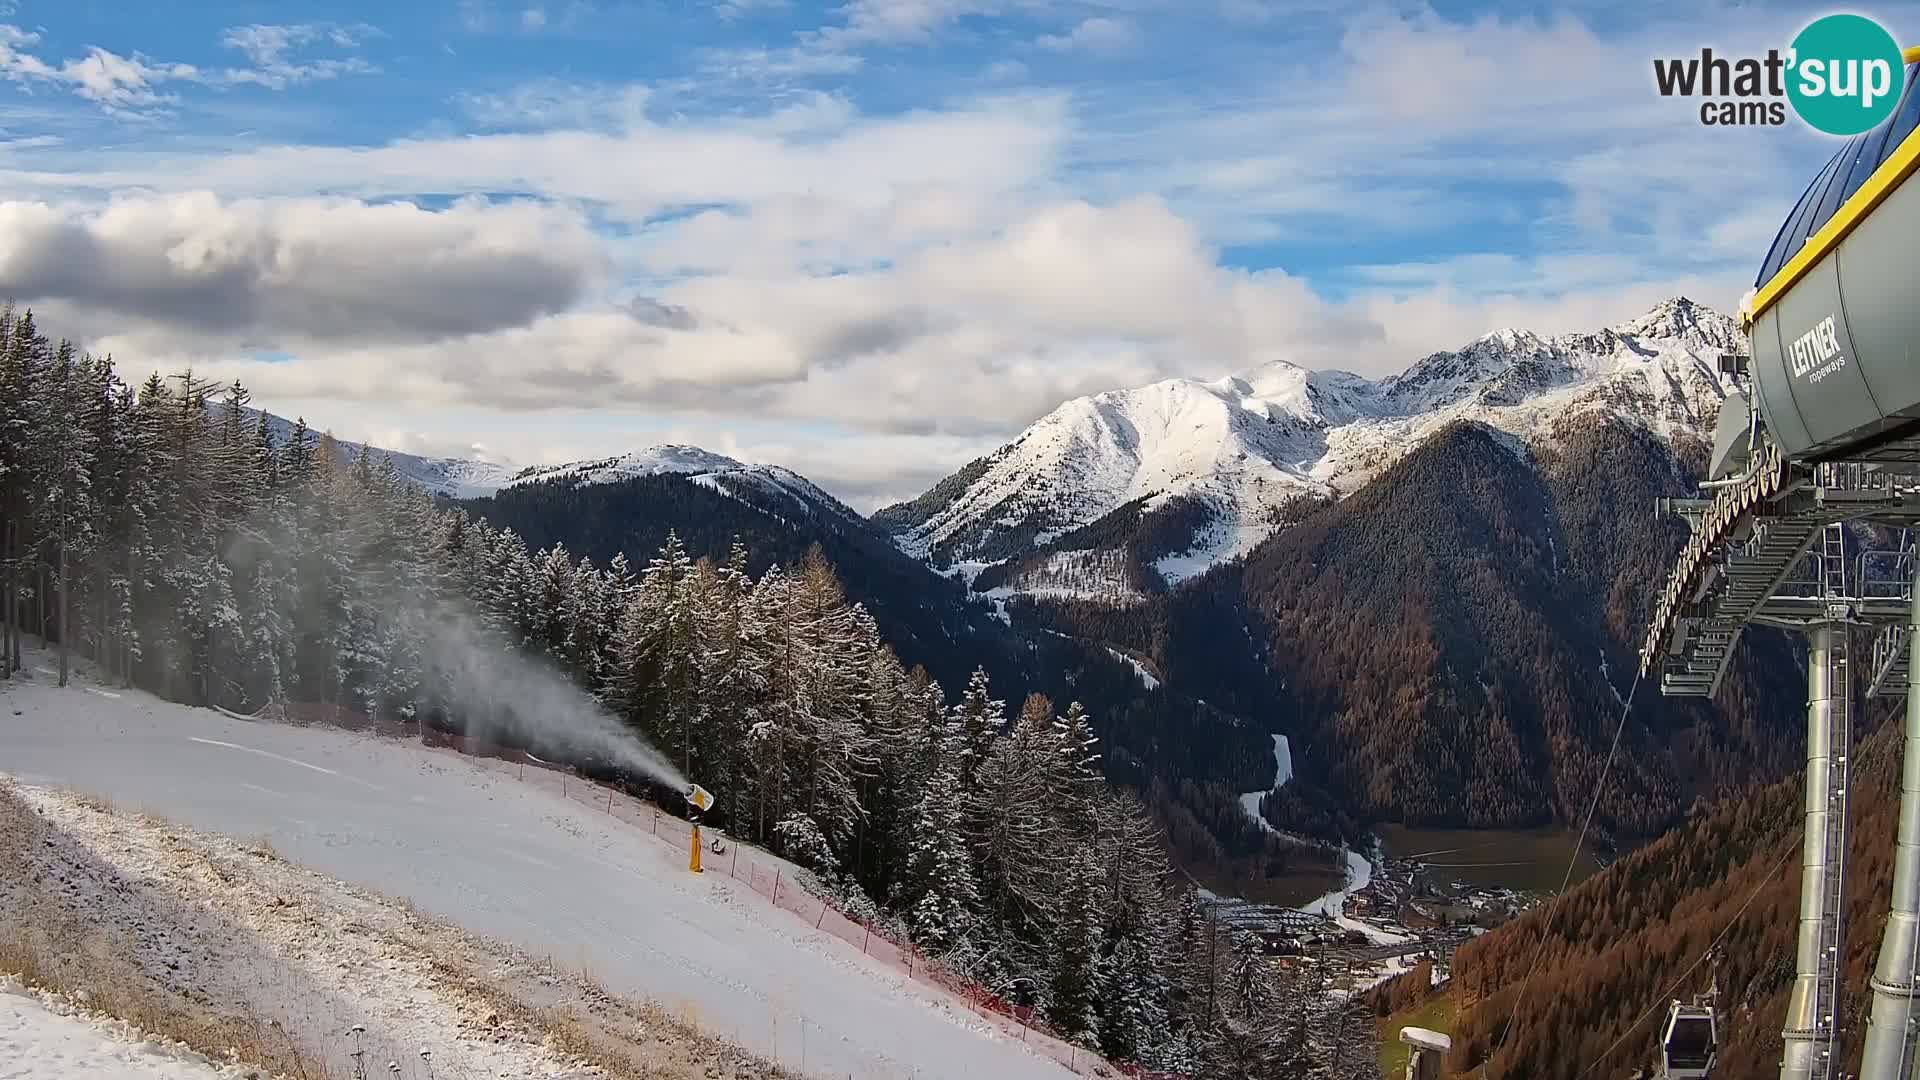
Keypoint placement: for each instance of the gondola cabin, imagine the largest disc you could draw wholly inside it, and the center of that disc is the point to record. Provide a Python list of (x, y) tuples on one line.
[(1689, 1043)]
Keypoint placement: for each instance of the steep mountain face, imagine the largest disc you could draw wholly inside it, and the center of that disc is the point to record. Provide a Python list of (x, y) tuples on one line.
[(1453, 644), (1212, 467)]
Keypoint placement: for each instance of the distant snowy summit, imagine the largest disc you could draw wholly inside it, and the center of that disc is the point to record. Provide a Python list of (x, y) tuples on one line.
[(776, 490), (779, 491), (1219, 462)]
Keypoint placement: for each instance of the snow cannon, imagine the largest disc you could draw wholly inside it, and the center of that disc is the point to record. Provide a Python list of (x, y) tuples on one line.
[(700, 800), (1832, 321)]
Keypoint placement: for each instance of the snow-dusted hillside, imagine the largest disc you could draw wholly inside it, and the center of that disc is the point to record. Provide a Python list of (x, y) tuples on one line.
[(1241, 447), (515, 861)]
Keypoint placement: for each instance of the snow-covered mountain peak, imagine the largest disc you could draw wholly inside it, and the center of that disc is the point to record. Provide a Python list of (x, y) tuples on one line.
[(1684, 320), (689, 460), (1242, 446), (776, 490)]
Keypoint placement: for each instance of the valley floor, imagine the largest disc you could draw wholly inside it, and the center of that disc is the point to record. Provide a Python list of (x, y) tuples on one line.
[(266, 900)]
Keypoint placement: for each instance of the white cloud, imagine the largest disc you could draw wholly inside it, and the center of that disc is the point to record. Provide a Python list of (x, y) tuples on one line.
[(231, 273), (550, 104), (1002, 144), (1006, 71), (839, 48), (268, 47), (894, 21), (119, 84), (1100, 34), (731, 10), (131, 85)]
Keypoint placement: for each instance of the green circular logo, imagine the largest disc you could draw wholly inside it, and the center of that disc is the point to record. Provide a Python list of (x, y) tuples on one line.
[(1844, 74)]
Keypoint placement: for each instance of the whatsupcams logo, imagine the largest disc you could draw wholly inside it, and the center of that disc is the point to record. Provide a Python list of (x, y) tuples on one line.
[(1842, 75)]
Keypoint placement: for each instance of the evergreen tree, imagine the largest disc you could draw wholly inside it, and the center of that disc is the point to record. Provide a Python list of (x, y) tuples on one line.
[(1075, 949)]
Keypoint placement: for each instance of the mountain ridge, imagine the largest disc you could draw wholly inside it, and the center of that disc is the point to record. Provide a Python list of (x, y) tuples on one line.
[(1243, 445)]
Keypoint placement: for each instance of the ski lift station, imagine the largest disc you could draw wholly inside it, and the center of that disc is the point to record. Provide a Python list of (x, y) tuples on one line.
[(1820, 438)]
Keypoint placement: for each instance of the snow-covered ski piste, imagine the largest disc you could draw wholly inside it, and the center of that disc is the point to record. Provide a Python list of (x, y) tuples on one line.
[(560, 868)]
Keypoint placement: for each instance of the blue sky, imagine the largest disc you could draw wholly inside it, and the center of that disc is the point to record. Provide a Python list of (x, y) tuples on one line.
[(866, 238)]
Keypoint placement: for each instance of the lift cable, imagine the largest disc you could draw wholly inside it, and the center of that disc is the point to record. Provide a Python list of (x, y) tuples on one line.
[(1546, 922), (1715, 944)]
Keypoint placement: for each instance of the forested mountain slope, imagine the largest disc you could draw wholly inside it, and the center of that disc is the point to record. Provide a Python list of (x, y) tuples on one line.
[(1189, 759), (1452, 643), (1617, 943)]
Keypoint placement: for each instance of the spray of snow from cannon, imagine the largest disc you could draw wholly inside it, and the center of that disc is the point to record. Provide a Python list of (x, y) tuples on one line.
[(491, 690), (497, 692)]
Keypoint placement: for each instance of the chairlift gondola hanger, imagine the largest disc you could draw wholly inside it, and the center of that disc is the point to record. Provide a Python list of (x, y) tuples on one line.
[(1690, 1041)]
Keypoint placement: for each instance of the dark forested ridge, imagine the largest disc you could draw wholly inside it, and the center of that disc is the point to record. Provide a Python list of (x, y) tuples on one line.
[(1188, 759), (923, 615), (1451, 643), (1616, 943)]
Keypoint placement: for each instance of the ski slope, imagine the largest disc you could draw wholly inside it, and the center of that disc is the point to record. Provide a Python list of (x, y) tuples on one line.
[(38, 1043), (515, 862)]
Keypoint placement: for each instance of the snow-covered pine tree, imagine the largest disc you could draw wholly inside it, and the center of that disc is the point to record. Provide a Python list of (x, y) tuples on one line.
[(104, 587), (553, 603), (1024, 857), (1076, 947), (830, 753), (1076, 771), (733, 662), (583, 622), (937, 890), (1131, 1002), (23, 387), (67, 504), (666, 700), (1243, 1040), (891, 724), (980, 720)]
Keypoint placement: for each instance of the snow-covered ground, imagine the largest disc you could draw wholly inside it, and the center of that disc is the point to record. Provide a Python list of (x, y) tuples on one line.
[(42, 1039), (1359, 867), (1146, 677), (1282, 772), (515, 862)]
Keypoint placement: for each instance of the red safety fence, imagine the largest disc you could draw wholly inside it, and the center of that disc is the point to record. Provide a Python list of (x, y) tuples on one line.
[(763, 874)]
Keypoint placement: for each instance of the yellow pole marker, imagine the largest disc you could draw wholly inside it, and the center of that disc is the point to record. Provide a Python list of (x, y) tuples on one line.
[(701, 800)]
